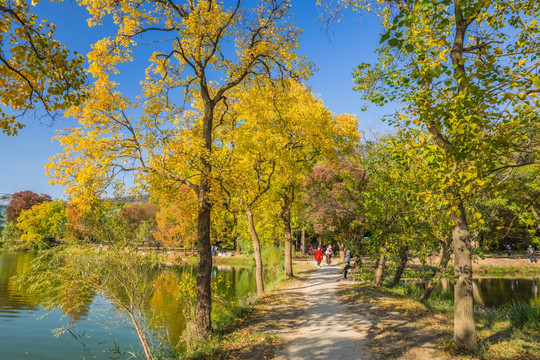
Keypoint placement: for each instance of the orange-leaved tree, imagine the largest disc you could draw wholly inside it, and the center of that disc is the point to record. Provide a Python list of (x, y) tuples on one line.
[(177, 220)]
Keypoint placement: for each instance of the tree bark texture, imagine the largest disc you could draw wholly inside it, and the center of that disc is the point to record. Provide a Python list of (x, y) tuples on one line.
[(256, 253), (204, 274), (379, 269), (288, 249), (464, 329), (443, 263)]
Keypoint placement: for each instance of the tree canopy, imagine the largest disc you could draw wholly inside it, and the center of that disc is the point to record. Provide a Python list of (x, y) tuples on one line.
[(38, 75)]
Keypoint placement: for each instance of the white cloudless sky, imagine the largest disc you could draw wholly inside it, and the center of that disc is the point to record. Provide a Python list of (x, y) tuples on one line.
[(334, 52)]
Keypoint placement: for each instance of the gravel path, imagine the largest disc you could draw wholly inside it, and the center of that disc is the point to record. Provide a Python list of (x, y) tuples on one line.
[(327, 331)]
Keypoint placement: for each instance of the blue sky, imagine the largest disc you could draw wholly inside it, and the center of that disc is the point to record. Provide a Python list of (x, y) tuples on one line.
[(335, 54)]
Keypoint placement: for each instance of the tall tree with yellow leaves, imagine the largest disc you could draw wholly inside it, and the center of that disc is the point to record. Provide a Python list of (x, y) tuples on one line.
[(201, 51), (38, 75), (296, 131)]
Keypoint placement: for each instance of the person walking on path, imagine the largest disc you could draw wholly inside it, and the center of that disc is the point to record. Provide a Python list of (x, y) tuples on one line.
[(329, 255), (508, 250), (532, 255), (318, 257)]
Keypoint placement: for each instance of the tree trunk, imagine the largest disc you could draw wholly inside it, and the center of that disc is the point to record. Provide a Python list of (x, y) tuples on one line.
[(341, 245), (288, 249), (379, 269), (303, 239), (286, 216), (443, 263), (238, 252), (256, 253), (203, 312), (464, 330), (403, 258), (204, 273)]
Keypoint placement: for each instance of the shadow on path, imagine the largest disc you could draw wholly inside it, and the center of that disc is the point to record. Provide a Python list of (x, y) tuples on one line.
[(327, 331)]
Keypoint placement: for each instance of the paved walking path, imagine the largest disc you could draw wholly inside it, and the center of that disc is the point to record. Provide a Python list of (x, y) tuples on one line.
[(328, 330)]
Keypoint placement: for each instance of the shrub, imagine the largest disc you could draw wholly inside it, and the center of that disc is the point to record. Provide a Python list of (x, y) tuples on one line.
[(10, 233), (523, 315)]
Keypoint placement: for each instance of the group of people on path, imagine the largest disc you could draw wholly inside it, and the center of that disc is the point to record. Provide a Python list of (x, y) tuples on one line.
[(326, 255)]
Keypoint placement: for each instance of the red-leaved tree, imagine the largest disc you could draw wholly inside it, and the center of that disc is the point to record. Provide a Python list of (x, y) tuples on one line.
[(23, 200), (332, 201)]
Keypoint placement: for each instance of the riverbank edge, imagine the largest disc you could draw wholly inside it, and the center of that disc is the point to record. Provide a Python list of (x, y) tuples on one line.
[(485, 270), (254, 330), (247, 330)]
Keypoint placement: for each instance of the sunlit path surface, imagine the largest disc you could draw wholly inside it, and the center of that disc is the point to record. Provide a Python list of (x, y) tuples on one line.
[(328, 331)]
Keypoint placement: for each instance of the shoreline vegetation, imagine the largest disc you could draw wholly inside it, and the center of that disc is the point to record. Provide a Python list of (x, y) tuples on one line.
[(402, 326)]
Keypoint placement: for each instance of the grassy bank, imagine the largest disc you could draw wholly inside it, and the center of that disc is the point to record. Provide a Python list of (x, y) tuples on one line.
[(504, 271), (248, 331), (404, 328)]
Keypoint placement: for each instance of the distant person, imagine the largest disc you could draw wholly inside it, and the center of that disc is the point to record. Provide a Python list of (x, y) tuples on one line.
[(508, 250), (532, 255), (348, 257), (357, 265), (318, 257), (329, 255)]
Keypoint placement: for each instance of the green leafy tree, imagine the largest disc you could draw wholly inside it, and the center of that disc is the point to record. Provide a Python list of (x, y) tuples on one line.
[(466, 72), (43, 223)]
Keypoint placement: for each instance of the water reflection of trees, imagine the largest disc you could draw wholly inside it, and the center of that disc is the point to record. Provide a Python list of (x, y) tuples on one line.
[(155, 300), (491, 292), (12, 296)]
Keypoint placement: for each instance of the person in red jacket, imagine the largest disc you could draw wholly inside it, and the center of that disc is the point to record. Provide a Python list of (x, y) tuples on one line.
[(318, 257)]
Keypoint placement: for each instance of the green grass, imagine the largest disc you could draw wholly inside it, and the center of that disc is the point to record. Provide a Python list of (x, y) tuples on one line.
[(523, 315), (501, 271), (244, 261)]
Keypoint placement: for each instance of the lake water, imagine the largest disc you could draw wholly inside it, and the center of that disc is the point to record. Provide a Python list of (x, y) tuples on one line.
[(96, 328), (493, 292), (496, 292)]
